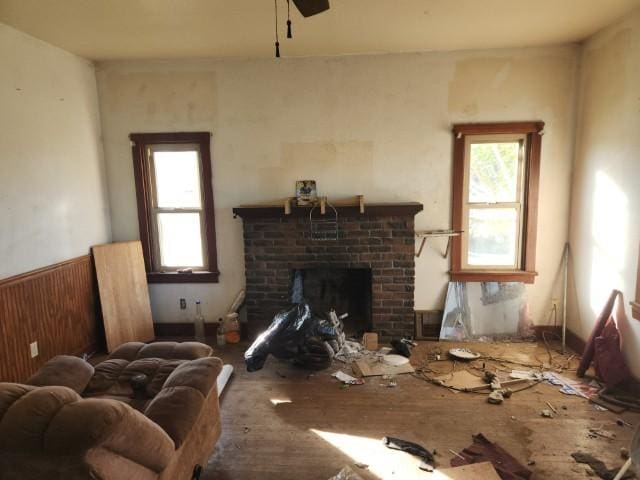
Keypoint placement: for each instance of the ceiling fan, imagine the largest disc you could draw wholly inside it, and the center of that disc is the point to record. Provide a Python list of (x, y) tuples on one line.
[(311, 7), (306, 7)]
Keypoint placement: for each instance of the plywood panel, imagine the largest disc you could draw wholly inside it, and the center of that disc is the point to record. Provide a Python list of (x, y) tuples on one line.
[(124, 296), (55, 306)]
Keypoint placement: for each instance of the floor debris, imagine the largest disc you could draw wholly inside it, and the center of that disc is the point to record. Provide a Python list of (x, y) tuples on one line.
[(476, 471), (371, 367), (346, 474), (495, 397), (599, 467), (546, 413), (412, 448), (347, 379), (483, 450)]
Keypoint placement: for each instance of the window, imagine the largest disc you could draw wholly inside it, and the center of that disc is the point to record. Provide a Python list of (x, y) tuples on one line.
[(175, 206), (495, 195)]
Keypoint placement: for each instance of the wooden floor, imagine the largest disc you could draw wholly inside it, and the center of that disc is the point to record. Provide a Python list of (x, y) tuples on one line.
[(283, 424)]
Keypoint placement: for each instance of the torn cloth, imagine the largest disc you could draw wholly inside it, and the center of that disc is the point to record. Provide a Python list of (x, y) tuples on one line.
[(483, 450)]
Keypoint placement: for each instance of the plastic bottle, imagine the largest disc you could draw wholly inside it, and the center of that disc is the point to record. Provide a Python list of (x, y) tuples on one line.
[(220, 338), (199, 323), (232, 328)]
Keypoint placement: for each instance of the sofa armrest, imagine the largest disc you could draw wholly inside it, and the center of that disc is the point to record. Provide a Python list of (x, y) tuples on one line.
[(178, 405), (64, 371), (112, 425)]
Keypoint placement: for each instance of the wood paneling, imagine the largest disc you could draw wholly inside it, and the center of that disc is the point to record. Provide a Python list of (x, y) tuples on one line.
[(55, 306), (124, 295)]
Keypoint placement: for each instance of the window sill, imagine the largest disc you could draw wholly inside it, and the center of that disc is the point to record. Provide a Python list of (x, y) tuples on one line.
[(635, 309), (174, 277), (493, 276)]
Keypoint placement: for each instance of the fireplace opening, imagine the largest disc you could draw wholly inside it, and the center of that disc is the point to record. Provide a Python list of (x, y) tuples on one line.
[(346, 290)]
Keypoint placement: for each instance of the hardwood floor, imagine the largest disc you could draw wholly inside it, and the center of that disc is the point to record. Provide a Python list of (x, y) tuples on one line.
[(281, 423)]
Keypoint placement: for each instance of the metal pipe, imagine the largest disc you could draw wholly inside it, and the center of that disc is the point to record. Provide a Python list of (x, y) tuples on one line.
[(564, 296)]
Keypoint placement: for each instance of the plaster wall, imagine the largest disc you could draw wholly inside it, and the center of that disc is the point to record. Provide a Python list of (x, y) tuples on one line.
[(377, 125), (53, 200), (605, 218)]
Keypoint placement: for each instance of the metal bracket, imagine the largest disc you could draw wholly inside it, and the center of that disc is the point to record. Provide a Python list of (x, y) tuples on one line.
[(424, 234)]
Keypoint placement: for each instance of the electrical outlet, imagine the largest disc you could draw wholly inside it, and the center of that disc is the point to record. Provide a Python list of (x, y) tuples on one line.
[(34, 349), (183, 304)]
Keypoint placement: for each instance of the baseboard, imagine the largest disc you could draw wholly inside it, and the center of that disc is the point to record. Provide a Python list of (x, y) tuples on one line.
[(182, 329), (574, 342)]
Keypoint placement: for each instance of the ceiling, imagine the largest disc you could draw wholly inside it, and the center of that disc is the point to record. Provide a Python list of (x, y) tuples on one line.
[(164, 29)]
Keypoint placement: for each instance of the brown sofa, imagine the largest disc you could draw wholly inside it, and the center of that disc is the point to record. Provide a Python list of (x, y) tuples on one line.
[(147, 412)]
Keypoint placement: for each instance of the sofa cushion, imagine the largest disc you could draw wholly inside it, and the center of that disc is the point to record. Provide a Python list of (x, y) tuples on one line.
[(64, 371), (112, 377)]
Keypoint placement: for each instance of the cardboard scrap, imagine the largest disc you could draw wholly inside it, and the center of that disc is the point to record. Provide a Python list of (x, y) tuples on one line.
[(461, 379), (372, 367), (475, 471)]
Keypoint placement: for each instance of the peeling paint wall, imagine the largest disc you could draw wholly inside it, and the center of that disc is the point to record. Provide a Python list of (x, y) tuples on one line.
[(376, 125), (605, 218), (53, 199)]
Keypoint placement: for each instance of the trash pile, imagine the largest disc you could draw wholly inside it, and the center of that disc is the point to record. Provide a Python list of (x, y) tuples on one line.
[(300, 335), (313, 340)]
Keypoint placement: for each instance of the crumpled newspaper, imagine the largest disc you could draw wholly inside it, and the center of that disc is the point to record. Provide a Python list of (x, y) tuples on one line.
[(351, 351)]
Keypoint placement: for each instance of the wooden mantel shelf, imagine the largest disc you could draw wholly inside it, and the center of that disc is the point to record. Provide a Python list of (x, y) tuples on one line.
[(370, 210)]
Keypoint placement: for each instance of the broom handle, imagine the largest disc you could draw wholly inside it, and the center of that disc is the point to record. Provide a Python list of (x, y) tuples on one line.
[(623, 470)]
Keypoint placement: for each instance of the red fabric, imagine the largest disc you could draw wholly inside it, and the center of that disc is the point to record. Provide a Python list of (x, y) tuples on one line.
[(609, 362)]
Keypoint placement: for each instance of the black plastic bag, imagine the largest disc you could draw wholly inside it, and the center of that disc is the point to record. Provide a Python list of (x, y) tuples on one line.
[(297, 334)]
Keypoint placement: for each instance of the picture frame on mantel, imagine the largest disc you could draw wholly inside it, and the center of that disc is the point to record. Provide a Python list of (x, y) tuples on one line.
[(306, 192)]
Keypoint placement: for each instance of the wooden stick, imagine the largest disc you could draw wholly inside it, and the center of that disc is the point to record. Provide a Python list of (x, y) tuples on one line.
[(361, 202), (458, 455), (488, 385), (323, 205), (552, 407)]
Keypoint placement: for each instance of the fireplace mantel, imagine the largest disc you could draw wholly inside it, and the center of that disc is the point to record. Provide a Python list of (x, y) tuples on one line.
[(370, 210)]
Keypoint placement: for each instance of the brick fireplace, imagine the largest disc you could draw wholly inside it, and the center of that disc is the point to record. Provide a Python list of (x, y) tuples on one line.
[(380, 239)]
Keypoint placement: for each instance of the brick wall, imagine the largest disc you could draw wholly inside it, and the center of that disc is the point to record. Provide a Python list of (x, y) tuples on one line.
[(274, 247)]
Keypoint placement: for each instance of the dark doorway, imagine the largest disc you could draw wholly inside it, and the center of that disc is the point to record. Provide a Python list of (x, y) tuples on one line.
[(346, 290)]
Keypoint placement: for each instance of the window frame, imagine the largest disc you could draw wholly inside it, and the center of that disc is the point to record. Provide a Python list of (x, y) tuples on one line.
[(529, 204), (140, 145)]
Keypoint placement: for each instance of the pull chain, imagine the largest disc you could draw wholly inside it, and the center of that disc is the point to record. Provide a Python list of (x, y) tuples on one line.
[(289, 34), (275, 4)]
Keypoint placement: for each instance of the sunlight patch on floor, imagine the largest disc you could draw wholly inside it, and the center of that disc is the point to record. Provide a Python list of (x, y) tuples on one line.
[(278, 401), (383, 462)]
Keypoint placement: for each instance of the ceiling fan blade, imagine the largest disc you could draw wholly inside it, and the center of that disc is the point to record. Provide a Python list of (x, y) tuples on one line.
[(311, 7)]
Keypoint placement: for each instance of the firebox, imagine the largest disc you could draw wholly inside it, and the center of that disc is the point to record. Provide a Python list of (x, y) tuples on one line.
[(346, 290)]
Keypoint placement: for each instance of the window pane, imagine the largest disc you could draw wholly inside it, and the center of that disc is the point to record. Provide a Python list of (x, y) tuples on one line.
[(493, 172), (180, 240), (177, 179), (493, 233)]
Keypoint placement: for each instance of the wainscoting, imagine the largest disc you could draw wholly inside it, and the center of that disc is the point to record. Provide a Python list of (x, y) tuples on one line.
[(57, 306)]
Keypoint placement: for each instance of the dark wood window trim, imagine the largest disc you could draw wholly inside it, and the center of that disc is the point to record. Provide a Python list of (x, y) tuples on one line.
[(140, 142), (635, 306), (533, 131)]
